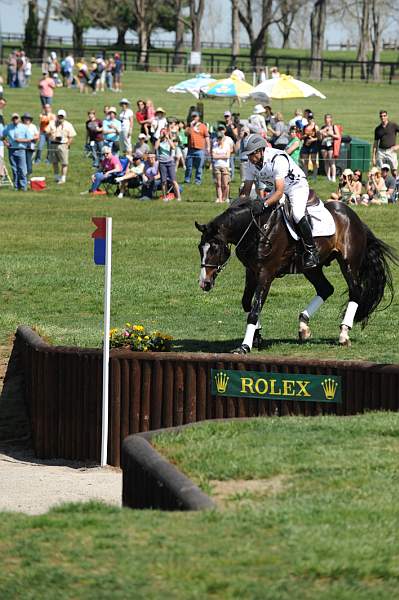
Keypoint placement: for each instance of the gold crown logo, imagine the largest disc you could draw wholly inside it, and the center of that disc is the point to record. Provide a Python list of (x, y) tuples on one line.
[(221, 380), (330, 387)]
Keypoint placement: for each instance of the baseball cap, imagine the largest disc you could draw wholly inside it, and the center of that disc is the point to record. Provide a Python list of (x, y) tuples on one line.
[(347, 172), (61, 113), (14, 115), (227, 113), (111, 109), (386, 166), (160, 109)]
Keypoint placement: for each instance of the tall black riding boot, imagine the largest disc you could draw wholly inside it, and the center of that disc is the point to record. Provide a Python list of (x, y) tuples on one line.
[(310, 256)]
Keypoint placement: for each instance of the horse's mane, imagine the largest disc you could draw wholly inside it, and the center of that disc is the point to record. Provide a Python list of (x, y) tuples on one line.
[(239, 210)]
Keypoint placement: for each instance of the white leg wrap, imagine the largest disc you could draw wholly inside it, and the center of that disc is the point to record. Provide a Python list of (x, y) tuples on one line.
[(313, 306), (350, 314), (249, 335)]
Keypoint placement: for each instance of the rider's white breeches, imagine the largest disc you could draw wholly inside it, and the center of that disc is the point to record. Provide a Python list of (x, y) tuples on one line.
[(298, 195)]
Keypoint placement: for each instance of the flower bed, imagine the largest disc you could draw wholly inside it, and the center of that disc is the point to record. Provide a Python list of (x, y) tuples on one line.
[(137, 338)]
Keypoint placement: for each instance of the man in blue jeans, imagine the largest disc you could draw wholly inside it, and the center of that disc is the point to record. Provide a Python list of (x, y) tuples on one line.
[(16, 135), (198, 144)]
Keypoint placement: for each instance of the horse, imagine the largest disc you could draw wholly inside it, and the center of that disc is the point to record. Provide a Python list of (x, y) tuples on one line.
[(267, 250)]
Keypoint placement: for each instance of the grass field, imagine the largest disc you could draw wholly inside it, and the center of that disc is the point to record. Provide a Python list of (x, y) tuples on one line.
[(325, 529), (50, 281)]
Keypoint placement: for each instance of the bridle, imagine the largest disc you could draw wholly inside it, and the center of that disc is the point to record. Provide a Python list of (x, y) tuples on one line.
[(219, 268)]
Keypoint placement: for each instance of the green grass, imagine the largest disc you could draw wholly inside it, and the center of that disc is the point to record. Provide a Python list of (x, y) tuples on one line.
[(329, 532), (49, 279)]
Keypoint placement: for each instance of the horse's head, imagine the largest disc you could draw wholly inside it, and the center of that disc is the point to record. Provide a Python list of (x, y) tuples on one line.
[(214, 253)]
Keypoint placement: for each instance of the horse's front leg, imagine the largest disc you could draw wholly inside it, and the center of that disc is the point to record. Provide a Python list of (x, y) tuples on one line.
[(247, 297), (253, 325)]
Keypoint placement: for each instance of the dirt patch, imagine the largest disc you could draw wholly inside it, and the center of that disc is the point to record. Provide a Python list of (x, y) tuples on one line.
[(31, 485), (233, 490)]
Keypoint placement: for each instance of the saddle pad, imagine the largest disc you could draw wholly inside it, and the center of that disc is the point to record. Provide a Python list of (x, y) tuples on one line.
[(321, 219)]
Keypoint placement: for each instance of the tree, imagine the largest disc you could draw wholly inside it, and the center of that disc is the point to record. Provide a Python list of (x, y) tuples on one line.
[(44, 28), (257, 36), (147, 14), (376, 37), (196, 13), (288, 12), (82, 14), (32, 29), (317, 30), (235, 29), (364, 37)]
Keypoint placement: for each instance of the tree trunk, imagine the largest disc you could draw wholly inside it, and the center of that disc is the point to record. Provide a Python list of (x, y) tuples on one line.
[(235, 30), (77, 39), (317, 29), (364, 38), (376, 39), (44, 28), (179, 35), (196, 14), (144, 39), (31, 30), (120, 40), (258, 42)]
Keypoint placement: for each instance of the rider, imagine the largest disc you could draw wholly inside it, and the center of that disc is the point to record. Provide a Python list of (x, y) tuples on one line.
[(271, 167)]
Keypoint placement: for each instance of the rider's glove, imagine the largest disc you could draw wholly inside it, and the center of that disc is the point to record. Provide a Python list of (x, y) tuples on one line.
[(258, 207)]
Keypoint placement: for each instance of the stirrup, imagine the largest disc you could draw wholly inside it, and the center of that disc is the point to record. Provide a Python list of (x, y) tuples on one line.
[(310, 260), (243, 349)]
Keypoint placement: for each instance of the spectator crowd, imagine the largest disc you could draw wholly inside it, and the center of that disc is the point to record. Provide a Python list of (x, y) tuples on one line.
[(142, 147)]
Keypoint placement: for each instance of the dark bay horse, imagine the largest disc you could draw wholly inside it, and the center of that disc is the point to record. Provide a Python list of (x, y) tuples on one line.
[(267, 250)]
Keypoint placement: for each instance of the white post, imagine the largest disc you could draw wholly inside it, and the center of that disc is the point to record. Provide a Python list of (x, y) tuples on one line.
[(107, 312)]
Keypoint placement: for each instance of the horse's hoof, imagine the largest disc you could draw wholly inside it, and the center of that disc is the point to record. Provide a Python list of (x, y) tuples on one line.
[(304, 335), (345, 342), (257, 340), (243, 349)]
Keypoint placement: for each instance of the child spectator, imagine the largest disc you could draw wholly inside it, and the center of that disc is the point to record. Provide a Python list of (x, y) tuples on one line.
[(141, 114), (294, 145)]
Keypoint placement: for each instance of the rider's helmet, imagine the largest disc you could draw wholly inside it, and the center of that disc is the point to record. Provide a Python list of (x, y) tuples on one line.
[(253, 143)]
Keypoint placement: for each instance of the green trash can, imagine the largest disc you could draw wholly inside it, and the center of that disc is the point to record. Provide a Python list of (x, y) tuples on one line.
[(359, 155)]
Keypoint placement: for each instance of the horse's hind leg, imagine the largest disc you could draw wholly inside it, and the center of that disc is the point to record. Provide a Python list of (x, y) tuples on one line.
[(349, 271), (324, 290)]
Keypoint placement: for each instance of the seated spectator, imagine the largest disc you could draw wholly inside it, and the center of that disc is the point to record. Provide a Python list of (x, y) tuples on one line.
[(94, 137), (294, 145), (27, 120), (358, 185), (221, 148), (375, 188), (110, 167), (390, 182), (111, 130), (347, 189), (141, 145), (165, 147), (151, 177), (133, 177), (279, 132)]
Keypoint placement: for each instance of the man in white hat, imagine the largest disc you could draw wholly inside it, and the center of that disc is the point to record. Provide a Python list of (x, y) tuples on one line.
[(257, 120), (126, 119), (61, 133)]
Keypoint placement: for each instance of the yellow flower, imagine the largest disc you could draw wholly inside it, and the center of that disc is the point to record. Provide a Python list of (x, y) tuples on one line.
[(138, 328)]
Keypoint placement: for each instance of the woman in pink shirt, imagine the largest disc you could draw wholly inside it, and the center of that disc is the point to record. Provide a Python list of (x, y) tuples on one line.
[(46, 89), (110, 168)]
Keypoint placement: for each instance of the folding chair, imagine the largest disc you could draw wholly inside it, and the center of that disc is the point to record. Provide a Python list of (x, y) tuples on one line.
[(5, 179)]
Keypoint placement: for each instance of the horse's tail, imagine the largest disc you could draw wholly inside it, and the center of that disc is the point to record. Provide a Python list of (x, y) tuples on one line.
[(374, 276)]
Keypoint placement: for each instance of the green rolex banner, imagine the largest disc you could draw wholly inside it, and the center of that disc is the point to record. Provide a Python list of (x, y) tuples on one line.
[(276, 386)]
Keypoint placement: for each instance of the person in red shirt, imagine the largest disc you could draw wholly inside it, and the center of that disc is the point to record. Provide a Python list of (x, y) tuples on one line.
[(110, 169), (198, 145), (141, 114)]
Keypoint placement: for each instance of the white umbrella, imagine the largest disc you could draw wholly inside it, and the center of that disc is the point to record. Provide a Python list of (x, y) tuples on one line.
[(284, 88), (192, 85)]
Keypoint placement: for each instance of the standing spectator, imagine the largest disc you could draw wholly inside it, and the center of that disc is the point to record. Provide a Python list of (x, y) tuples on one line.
[(257, 120), (274, 73), (141, 145), (68, 65), (151, 177), (109, 69), (329, 133), (141, 114), (126, 119), (46, 89), (232, 133), (385, 147), (236, 72), (61, 134), (101, 73), (158, 123), (21, 62), (54, 68), (27, 120), (117, 72), (28, 71), (243, 134), (16, 136), (110, 169), (279, 132), (12, 69), (164, 147), (390, 182), (94, 137), (174, 134), (44, 120), (294, 145), (83, 76), (198, 144), (3, 103), (310, 147), (221, 148), (111, 130)]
